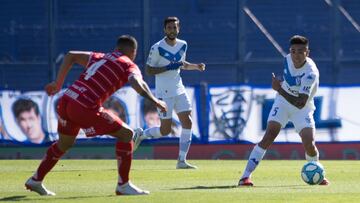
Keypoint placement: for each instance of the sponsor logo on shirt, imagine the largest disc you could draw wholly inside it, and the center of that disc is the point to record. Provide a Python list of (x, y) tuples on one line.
[(81, 89), (89, 131), (71, 94)]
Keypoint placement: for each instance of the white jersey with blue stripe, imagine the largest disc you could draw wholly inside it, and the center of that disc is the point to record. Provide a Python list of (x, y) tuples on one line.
[(304, 80), (168, 83)]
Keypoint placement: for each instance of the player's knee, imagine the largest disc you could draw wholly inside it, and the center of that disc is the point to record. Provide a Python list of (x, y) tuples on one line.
[(187, 124), (165, 130), (125, 138), (124, 134), (310, 147), (128, 135)]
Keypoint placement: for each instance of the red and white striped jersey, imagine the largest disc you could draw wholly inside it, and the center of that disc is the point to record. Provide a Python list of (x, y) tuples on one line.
[(104, 74)]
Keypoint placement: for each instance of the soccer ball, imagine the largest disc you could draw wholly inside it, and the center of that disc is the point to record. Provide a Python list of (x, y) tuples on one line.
[(312, 173)]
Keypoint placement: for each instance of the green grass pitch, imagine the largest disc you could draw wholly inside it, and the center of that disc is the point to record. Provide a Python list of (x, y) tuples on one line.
[(214, 181)]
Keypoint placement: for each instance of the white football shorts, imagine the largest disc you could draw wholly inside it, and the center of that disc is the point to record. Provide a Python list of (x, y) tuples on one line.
[(283, 112), (179, 103)]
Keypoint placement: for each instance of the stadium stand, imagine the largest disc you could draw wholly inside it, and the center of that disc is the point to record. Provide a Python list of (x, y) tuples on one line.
[(219, 33)]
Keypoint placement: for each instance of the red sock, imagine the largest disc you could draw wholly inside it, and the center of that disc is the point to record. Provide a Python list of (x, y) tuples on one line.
[(51, 157), (124, 153)]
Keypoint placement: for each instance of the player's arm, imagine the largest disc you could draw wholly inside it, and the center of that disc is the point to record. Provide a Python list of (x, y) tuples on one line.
[(150, 70), (140, 86), (299, 102), (192, 66), (78, 57)]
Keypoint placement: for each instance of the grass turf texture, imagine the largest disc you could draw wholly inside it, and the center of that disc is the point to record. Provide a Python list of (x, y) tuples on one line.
[(214, 181)]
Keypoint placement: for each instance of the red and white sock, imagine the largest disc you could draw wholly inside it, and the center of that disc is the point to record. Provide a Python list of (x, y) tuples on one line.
[(51, 157), (124, 152)]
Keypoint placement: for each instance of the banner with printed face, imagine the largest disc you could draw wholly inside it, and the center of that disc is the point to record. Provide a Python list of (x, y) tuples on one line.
[(31, 117), (239, 113)]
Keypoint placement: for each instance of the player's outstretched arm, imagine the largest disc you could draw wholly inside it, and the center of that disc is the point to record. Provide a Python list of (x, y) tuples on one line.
[(299, 102), (70, 58), (140, 86), (193, 66)]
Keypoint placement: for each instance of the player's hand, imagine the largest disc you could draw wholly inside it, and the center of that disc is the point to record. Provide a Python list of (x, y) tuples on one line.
[(161, 105), (276, 83), (192, 66), (201, 67), (52, 88), (174, 65)]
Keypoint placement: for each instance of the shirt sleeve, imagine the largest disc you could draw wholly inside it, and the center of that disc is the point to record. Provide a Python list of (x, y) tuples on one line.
[(134, 70), (307, 83), (153, 57), (183, 57)]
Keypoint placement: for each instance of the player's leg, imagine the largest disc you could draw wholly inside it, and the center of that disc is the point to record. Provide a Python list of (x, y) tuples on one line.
[(67, 135), (124, 153), (152, 133), (165, 119), (53, 154), (277, 118), (311, 151), (185, 140), (258, 152), (108, 123), (305, 125), (157, 132), (183, 109)]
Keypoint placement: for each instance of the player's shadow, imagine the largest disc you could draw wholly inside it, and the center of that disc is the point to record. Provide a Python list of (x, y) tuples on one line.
[(13, 198), (200, 187), (25, 198), (285, 186)]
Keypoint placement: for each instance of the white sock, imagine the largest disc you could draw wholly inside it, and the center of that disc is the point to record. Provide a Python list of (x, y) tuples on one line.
[(255, 157), (153, 132), (184, 143), (312, 158)]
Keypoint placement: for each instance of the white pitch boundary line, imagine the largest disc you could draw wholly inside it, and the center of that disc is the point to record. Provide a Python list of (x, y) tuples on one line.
[(264, 31)]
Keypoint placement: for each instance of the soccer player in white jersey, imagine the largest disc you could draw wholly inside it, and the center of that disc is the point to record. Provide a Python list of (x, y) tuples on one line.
[(165, 60), (294, 101)]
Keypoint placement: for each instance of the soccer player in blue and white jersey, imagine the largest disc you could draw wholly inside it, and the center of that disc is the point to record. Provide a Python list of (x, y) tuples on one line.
[(165, 60), (295, 102)]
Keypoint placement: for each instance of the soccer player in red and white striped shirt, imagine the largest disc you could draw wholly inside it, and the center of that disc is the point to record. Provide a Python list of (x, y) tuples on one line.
[(81, 107)]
